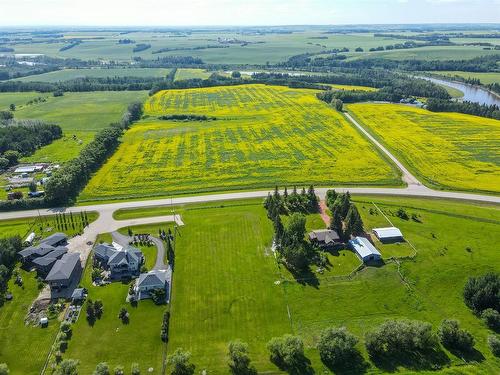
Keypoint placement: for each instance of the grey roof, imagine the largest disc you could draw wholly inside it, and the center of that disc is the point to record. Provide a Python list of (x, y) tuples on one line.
[(389, 232), (104, 250), (78, 293), (324, 235), (39, 250), (54, 239), (114, 256), (153, 278), (51, 257), (63, 268), (363, 247)]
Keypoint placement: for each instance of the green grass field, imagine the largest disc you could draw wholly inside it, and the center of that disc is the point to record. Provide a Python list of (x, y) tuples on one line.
[(69, 74), (233, 239), (263, 135), (24, 347), (445, 150), (186, 73), (79, 114), (109, 340), (212, 256)]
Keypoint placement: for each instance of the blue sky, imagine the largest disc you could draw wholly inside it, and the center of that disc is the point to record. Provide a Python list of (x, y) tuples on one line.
[(244, 12)]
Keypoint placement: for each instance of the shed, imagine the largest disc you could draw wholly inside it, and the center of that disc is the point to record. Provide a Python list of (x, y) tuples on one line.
[(78, 294), (388, 234), (365, 250), (44, 322), (30, 238)]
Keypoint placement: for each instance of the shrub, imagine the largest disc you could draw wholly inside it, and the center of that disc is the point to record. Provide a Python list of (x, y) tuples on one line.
[(134, 369), (337, 346), (286, 351), (396, 337), (451, 336), (101, 369), (494, 344), (492, 319), (119, 370), (4, 370), (481, 293), (180, 363), (239, 361), (158, 296), (67, 367)]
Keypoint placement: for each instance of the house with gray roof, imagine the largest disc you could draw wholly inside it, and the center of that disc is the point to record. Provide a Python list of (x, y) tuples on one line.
[(122, 262), (153, 280), (65, 271), (28, 254), (324, 237), (44, 264), (56, 239)]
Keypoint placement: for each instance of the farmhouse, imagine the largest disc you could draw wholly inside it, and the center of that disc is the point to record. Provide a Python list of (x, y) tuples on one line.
[(65, 271), (121, 262), (389, 234), (44, 264), (153, 280), (324, 237), (365, 250)]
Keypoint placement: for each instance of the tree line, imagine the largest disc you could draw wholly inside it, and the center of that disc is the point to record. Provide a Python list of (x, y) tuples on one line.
[(9, 247), (24, 137), (470, 108)]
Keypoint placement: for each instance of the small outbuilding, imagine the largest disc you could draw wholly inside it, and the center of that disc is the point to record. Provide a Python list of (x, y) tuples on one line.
[(78, 295), (365, 250), (388, 235), (44, 322), (324, 237)]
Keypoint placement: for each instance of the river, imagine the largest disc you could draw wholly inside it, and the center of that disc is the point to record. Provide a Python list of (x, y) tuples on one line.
[(471, 93)]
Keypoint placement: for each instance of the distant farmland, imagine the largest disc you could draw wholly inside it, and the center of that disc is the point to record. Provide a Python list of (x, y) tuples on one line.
[(447, 150), (263, 135), (69, 74)]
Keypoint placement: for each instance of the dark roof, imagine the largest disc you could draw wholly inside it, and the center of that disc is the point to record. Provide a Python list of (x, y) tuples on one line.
[(63, 268), (51, 257), (104, 250), (78, 294), (153, 278), (54, 239), (324, 235), (39, 250)]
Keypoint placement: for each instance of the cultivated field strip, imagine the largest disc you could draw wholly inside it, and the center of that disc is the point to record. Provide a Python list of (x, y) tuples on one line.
[(263, 135), (448, 150)]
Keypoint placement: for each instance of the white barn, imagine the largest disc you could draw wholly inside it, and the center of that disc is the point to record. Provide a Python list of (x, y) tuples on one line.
[(365, 250), (389, 234)]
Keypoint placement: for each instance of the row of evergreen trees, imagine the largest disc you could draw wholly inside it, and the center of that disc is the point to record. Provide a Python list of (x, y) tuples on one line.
[(346, 220)]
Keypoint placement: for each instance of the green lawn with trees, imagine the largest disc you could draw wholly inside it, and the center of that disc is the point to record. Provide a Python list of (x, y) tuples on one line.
[(80, 115)]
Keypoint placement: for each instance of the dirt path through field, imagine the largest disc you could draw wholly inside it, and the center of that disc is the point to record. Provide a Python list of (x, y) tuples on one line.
[(323, 213)]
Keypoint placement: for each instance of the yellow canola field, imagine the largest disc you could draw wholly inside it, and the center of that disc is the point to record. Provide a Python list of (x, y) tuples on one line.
[(449, 150), (263, 135)]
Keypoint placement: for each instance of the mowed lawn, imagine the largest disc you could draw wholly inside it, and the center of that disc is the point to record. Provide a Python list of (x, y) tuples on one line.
[(24, 348), (224, 286), (436, 278), (111, 341), (263, 135), (80, 116), (445, 150)]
